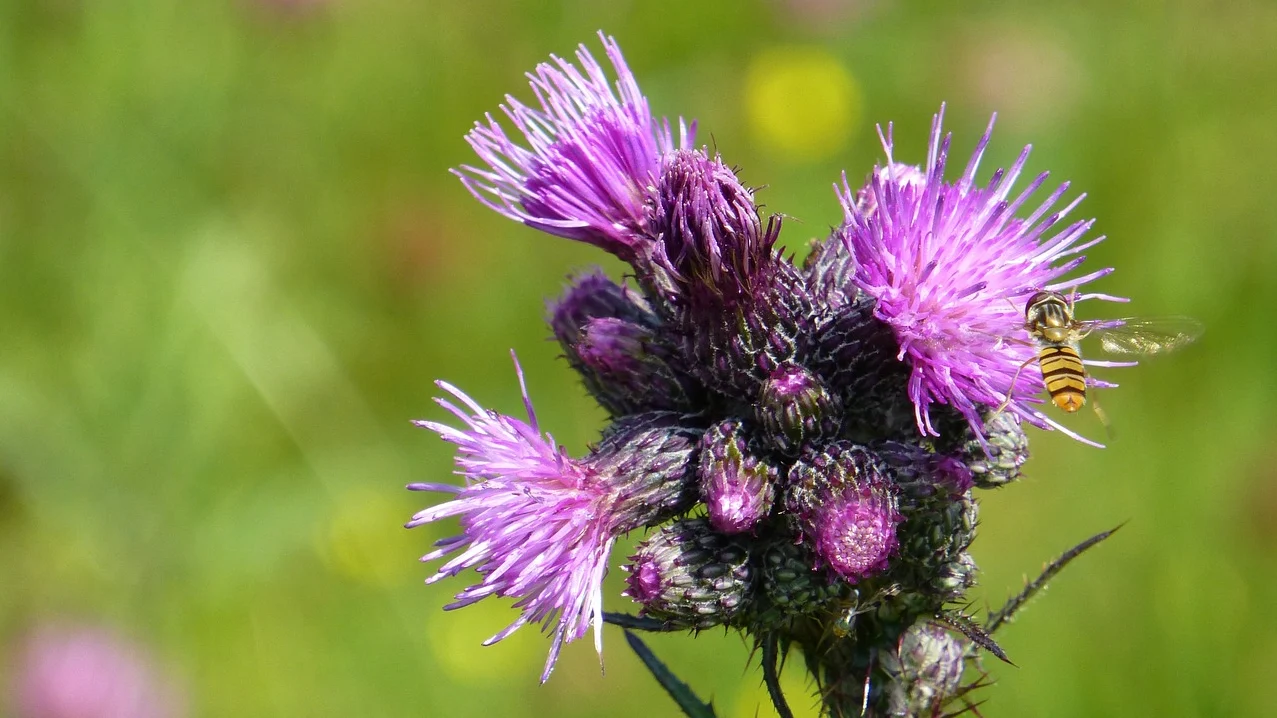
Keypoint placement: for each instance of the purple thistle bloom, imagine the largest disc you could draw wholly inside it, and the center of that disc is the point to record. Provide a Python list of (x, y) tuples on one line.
[(592, 156), (950, 267), (902, 175), (536, 524), (592, 295), (713, 241)]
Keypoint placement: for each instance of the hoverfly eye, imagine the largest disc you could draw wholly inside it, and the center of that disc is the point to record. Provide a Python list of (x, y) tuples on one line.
[(1036, 297)]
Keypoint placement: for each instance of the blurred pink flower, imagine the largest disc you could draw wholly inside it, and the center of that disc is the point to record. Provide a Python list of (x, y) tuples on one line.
[(65, 671)]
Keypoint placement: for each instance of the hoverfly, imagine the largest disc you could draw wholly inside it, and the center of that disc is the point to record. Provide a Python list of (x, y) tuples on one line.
[(1056, 334)]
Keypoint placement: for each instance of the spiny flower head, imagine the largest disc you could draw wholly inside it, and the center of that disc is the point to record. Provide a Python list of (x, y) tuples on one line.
[(925, 669), (689, 575), (950, 265), (816, 434), (901, 174), (713, 241), (846, 508), (522, 496), (538, 525), (795, 407), (737, 485), (592, 155), (611, 337)]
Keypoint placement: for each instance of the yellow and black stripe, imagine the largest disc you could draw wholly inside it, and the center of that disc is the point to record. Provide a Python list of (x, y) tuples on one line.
[(1064, 376)]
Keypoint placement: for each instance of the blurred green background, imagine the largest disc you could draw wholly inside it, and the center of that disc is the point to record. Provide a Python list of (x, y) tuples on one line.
[(232, 261)]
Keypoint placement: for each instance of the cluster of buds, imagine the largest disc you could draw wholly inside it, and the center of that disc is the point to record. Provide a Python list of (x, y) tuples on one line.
[(803, 440)]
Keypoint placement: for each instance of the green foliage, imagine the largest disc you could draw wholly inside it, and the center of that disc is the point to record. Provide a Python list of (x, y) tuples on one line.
[(232, 261), (682, 694)]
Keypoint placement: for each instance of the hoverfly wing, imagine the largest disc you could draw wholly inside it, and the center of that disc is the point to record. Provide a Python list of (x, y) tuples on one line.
[(1156, 335)]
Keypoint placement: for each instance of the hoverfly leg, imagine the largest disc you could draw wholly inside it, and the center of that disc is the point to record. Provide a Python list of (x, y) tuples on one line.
[(1011, 389), (1072, 300), (1103, 417)]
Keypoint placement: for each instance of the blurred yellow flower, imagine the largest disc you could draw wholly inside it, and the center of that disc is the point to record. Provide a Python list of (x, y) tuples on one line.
[(801, 102), (457, 641), (365, 541)]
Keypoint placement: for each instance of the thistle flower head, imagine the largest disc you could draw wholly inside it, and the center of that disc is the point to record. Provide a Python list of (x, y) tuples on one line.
[(712, 239), (690, 576), (611, 338), (737, 484), (592, 153), (613, 345), (772, 413), (950, 265), (924, 473), (903, 175), (846, 508), (536, 525), (794, 407), (997, 460), (925, 669), (592, 295), (789, 584)]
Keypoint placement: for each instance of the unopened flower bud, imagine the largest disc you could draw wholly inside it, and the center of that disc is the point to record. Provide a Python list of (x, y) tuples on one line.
[(631, 366), (856, 355), (591, 295), (794, 407), (611, 338), (925, 670), (939, 524), (743, 307), (792, 585), (713, 239), (738, 486), (736, 348), (689, 575), (954, 578), (921, 474), (846, 508), (1006, 449)]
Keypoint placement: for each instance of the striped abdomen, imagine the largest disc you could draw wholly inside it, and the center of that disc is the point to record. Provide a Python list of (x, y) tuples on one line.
[(1064, 376)]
